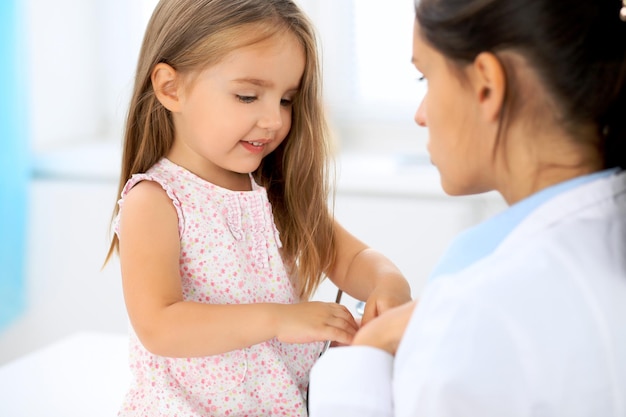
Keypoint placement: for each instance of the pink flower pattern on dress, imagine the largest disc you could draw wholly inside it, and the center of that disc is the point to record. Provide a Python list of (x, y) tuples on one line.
[(229, 255)]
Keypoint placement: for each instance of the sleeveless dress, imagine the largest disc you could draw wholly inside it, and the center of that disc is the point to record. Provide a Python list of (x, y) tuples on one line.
[(229, 255)]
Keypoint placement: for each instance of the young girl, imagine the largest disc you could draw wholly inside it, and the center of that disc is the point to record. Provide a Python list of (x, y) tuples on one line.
[(223, 225), (524, 317)]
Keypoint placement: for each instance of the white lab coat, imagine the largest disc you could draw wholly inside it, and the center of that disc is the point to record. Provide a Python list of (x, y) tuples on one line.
[(537, 328)]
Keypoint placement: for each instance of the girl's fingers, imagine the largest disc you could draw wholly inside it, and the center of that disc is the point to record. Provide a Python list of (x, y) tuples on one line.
[(341, 325), (348, 326), (317, 321), (339, 335), (344, 314)]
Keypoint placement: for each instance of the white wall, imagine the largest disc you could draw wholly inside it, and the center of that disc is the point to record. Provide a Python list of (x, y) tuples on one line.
[(81, 56), (67, 291)]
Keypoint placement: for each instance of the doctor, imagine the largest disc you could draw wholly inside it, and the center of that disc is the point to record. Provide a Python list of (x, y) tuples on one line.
[(525, 315)]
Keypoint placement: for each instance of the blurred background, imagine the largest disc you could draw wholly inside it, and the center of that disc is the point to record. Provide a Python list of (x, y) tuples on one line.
[(67, 72)]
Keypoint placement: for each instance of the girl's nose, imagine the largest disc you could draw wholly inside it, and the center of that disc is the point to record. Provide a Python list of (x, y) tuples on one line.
[(272, 118), (420, 115)]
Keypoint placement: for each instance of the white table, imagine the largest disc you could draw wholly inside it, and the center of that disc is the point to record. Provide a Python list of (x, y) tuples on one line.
[(83, 375)]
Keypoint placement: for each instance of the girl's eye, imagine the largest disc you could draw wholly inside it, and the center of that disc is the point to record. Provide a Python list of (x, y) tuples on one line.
[(421, 78), (286, 102), (246, 99)]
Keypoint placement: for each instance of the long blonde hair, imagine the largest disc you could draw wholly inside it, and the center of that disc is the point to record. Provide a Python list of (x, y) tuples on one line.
[(191, 35)]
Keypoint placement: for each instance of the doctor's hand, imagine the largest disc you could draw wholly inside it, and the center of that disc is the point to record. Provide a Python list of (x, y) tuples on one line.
[(385, 296), (385, 331)]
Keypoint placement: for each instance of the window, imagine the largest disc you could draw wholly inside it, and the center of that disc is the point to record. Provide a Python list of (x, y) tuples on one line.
[(371, 84), (81, 54)]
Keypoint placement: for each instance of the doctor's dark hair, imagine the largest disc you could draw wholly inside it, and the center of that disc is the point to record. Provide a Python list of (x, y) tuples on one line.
[(577, 48), (193, 35)]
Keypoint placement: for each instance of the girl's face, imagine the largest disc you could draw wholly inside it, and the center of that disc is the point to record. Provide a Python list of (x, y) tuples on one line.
[(236, 112), (449, 112)]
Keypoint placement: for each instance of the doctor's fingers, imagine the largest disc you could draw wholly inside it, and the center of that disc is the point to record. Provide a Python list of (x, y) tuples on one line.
[(386, 331), (376, 306)]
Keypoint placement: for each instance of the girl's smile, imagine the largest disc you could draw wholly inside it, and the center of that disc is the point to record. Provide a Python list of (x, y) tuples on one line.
[(256, 146)]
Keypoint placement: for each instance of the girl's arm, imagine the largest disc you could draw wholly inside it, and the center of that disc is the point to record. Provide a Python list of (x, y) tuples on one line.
[(169, 326), (367, 275)]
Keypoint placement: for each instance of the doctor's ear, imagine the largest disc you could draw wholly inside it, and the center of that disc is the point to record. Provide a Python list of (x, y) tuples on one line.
[(165, 82), (489, 85)]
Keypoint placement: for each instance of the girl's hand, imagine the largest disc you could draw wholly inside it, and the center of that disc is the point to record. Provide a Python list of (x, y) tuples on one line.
[(385, 331), (315, 321), (385, 297)]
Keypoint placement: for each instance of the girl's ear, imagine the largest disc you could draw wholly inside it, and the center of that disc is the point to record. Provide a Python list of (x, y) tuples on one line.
[(489, 85), (165, 82)]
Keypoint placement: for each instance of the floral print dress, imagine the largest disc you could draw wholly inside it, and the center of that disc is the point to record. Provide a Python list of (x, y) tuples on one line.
[(229, 255)]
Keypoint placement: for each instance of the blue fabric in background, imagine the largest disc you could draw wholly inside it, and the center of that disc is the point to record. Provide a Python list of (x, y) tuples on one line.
[(14, 163)]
